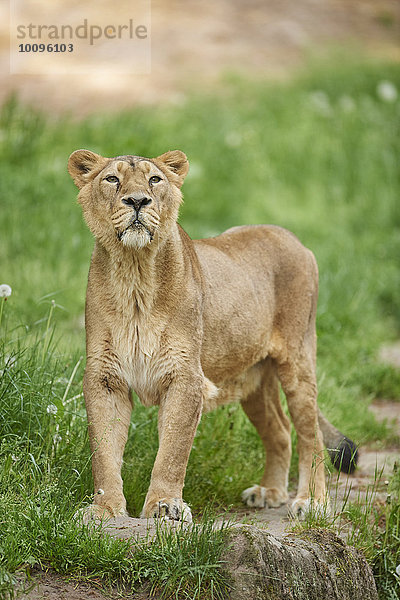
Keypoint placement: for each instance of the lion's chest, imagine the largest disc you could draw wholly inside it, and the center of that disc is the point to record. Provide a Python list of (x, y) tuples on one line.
[(143, 362)]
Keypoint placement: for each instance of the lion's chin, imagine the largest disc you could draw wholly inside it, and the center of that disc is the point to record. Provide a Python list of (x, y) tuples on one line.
[(136, 238)]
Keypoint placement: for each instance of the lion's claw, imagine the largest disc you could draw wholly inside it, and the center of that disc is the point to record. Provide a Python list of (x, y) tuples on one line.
[(169, 508)]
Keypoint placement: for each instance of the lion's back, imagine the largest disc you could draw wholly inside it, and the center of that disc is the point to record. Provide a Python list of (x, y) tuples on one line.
[(272, 249)]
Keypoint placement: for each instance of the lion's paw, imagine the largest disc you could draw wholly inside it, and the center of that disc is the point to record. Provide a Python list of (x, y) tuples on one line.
[(309, 507), (96, 512), (170, 508), (260, 497)]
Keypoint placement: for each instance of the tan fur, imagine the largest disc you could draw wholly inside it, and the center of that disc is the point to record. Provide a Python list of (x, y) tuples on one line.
[(189, 325)]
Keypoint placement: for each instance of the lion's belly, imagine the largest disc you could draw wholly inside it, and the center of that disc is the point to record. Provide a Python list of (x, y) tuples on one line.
[(234, 341), (235, 389)]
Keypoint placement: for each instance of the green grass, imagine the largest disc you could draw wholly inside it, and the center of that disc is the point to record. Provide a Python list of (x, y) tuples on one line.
[(318, 156), (380, 542)]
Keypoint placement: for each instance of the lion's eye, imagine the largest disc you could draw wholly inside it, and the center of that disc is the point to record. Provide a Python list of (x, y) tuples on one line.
[(154, 179), (112, 179)]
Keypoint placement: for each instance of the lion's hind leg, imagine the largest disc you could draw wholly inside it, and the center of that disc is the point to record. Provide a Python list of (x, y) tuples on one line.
[(298, 381), (263, 407)]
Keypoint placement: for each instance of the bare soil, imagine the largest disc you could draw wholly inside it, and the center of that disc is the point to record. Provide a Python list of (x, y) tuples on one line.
[(50, 585)]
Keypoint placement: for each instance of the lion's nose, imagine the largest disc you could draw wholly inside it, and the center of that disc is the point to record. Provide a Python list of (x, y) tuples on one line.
[(136, 201)]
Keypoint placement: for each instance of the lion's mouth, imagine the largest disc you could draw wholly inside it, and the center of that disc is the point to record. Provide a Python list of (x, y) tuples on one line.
[(135, 224)]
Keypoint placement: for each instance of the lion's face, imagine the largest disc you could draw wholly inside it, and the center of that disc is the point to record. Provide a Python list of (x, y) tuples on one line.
[(129, 200)]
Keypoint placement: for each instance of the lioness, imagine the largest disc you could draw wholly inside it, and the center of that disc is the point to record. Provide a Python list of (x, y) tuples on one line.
[(190, 325)]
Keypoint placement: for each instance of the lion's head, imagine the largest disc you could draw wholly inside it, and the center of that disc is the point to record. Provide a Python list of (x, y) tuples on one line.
[(129, 200)]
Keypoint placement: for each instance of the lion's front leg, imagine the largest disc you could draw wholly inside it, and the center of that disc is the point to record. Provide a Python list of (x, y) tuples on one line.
[(178, 418), (108, 407)]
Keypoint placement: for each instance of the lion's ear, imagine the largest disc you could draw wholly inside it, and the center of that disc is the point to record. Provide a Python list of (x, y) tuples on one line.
[(83, 165), (177, 162)]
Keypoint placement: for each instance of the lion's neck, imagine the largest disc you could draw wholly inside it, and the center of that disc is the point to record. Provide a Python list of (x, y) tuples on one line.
[(133, 291), (139, 280)]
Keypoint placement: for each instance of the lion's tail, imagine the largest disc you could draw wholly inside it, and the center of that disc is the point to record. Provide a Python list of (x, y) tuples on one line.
[(342, 450)]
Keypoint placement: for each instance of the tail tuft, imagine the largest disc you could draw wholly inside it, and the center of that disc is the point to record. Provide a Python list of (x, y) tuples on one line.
[(345, 456)]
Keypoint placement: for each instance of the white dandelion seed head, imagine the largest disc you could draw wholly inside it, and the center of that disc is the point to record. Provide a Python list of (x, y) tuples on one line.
[(320, 102), (5, 290), (52, 409), (233, 139), (387, 91), (10, 361), (347, 104)]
